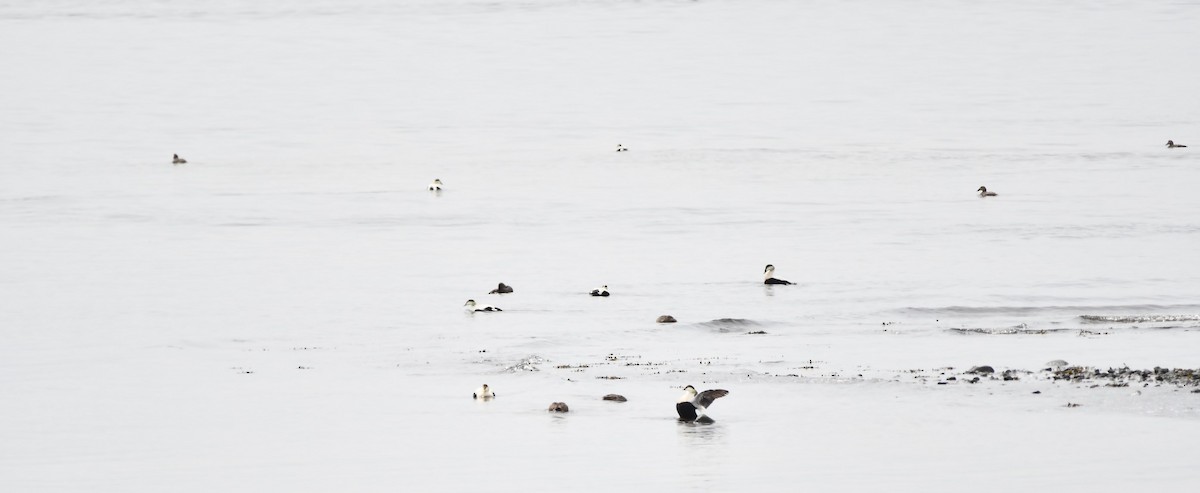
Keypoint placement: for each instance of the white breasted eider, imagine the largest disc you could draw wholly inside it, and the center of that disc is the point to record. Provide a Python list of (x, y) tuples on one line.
[(178, 160), (621, 148), (472, 306), (436, 185), (984, 193), (600, 291), (1171, 144), (501, 289), (769, 276), (484, 393), (691, 406)]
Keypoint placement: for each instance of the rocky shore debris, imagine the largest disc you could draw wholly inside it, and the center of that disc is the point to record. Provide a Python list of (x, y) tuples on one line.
[(1122, 377), (666, 319), (615, 398)]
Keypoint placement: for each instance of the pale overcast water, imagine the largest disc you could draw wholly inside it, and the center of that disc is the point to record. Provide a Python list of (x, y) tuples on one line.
[(284, 312)]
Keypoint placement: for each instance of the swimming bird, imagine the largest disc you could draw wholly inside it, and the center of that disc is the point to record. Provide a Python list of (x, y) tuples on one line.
[(691, 406), (600, 291), (472, 306), (501, 289), (769, 276), (1171, 144), (621, 148), (984, 193), (484, 393), (436, 185), (178, 160)]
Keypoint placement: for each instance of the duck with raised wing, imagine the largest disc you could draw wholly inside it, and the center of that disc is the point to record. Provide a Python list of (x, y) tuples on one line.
[(692, 405)]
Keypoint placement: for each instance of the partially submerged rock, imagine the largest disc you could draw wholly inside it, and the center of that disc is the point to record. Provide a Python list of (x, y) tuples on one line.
[(558, 407), (615, 398), (666, 319), (981, 370)]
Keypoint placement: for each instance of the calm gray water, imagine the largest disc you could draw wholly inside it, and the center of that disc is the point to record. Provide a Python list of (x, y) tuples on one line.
[(841, 142)]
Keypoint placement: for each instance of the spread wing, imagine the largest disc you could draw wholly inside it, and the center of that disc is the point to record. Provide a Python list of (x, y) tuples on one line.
[(706, 398)]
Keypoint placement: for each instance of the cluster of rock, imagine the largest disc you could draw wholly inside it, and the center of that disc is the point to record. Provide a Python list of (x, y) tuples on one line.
[(1121, 377)]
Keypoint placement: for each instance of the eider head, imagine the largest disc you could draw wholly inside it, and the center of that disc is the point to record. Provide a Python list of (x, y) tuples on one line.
[(769, 269), (471, 303)]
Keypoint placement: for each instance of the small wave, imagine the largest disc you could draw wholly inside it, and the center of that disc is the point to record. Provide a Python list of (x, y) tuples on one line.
[(1019, 329), (1029, 310), (1138, 319), (528, 363), (730, 324)]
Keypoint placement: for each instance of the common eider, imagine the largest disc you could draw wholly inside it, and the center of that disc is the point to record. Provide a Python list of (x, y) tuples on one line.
[(984, 193), (501, 289), (472, 306), (1171, 144), (600, 291), (178, 160), (691, 406), (484, 393), (621, 148), (436, 185), (769, 276)]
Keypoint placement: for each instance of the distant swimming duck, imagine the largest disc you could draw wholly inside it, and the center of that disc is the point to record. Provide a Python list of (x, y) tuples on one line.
[(600, 291), (178, 160), (502, 289), (621, 148), (1171, 144), (691, 405), (984, 193), (436, 185), (769, 276), (484, 393), (472, 306)]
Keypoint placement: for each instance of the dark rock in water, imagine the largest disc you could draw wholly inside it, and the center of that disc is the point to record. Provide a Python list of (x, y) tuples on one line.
[(666, 319), (973, 380), (558, 407), (981, 370), (757, 332), (615, 398), (1010, 375), (941, 383), (1072, 404), (952, 378), (1037, 391), (1197, 391)]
